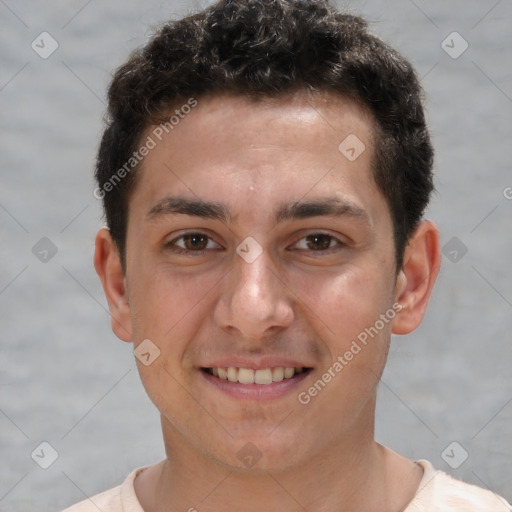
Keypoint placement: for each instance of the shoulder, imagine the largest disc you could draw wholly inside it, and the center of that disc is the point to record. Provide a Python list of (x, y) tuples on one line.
[(118, 499), (107, 501), (440, 492)]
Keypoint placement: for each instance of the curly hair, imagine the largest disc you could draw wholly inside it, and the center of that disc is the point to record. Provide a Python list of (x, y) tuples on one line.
[(272, 48)]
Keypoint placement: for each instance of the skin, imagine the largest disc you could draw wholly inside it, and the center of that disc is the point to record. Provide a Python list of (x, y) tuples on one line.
[(304, 298)]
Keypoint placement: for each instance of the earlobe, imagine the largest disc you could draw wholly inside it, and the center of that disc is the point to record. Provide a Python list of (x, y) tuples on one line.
[(417, 277), (107, 263)]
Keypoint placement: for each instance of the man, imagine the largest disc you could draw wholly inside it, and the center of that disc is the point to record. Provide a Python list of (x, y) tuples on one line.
[(264, 173)]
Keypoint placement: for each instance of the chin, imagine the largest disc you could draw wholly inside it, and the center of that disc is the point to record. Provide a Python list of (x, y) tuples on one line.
[(259, 452)]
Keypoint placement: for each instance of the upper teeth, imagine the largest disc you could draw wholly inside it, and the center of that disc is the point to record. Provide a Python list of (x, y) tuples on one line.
[(250, 376)]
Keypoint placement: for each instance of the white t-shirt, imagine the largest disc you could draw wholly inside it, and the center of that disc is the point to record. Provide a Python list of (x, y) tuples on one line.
[(437, 492)]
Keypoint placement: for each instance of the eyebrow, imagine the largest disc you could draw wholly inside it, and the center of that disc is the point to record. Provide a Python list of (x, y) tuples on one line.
[(330, 206), (184, 206)]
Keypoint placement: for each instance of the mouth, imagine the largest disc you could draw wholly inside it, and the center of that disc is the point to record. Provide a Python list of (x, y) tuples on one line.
[(255, 384), (263, 376)]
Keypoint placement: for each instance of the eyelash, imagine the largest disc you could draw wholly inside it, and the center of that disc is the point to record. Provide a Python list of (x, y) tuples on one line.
[(180, 250), (338, 243)]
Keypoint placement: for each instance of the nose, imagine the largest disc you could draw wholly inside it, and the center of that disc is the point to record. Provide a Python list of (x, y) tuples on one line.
[(254, 301)]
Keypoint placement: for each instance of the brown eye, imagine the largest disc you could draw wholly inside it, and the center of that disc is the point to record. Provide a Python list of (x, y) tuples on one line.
[(192, 242), (319, 242), (195, 242)]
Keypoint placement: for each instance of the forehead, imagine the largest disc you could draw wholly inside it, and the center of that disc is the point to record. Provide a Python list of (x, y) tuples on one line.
[(254, 154)]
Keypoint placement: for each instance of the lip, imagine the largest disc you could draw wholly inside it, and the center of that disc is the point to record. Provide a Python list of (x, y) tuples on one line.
[(255, 391), (257, 363)]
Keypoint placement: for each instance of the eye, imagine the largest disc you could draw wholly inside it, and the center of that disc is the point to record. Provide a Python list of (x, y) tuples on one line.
[(317, 242), (193, 242)]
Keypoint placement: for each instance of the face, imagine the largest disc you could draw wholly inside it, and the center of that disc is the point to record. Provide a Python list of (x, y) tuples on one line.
[(260, 264)]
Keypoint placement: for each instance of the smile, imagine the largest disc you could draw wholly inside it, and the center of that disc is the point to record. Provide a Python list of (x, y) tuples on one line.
[(262, 376), (263, 383)]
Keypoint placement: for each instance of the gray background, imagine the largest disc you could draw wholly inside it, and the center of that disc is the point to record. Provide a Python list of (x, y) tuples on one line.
[(67, 380)]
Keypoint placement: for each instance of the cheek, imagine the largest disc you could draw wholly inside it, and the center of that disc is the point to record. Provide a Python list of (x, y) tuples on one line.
[(346, 302), (347, 308), (166, 305), (347, 311)]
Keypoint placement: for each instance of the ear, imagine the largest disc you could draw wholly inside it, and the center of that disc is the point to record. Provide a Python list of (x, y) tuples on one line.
[(416, 279), (107, 263)]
